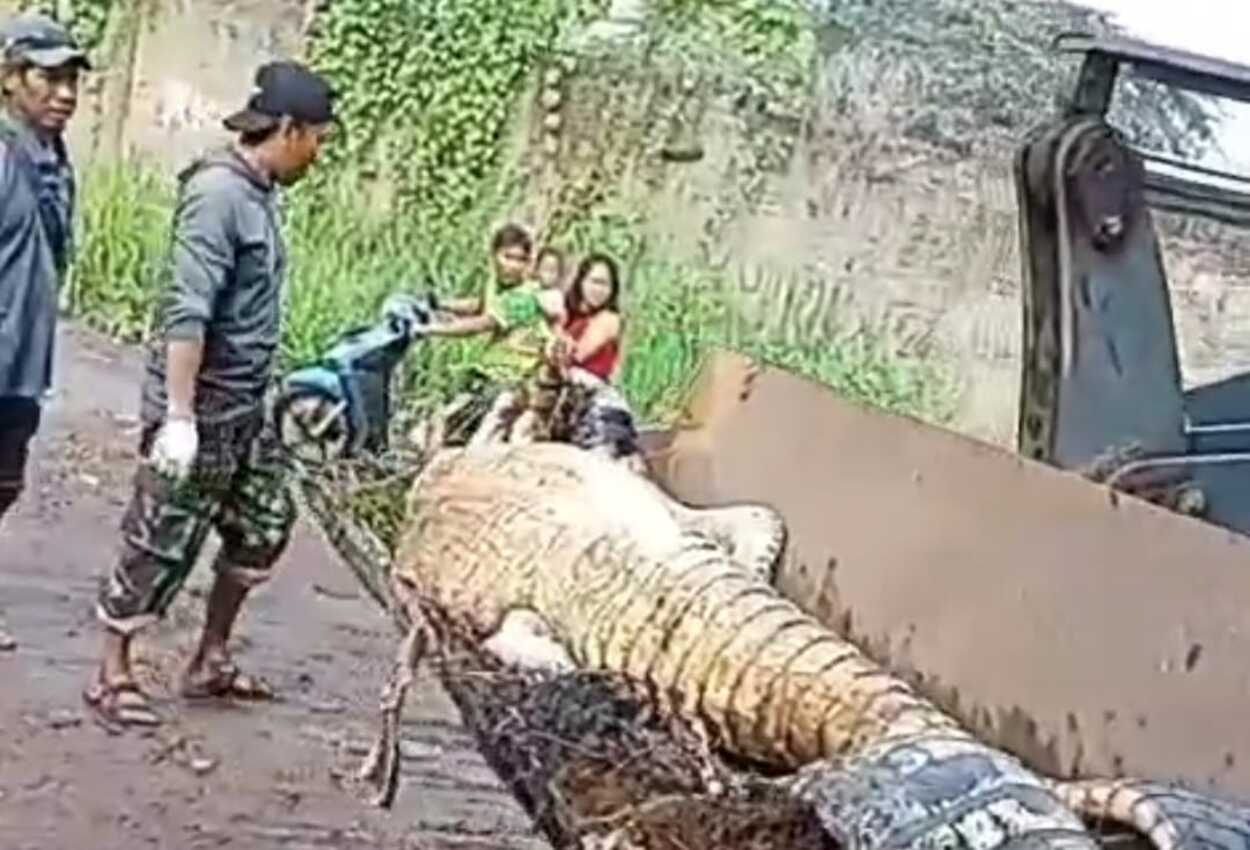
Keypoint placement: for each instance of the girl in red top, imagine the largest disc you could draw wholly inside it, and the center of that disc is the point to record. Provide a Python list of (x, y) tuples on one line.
[(589, 349), (592, 329)]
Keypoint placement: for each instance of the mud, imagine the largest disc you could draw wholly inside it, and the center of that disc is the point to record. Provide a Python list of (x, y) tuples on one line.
[(247, 776)]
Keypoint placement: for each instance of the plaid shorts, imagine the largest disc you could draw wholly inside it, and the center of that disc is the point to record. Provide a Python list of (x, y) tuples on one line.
[(238, 487)]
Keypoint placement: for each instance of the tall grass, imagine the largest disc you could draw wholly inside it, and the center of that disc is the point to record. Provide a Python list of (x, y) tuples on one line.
[(345, 258), (122, 240)]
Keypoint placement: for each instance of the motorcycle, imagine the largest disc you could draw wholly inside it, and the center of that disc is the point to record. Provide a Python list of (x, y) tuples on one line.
[(341, 405)]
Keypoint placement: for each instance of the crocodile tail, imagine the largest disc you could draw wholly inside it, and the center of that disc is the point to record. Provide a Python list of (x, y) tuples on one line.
[(774, 684), (937, 790), (1170, 817)]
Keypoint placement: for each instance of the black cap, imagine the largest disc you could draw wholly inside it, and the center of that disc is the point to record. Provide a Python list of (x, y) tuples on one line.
[(40, 40), (284, 88)]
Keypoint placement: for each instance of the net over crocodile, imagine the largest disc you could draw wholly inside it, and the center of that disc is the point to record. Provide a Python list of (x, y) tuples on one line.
[(556, 557)]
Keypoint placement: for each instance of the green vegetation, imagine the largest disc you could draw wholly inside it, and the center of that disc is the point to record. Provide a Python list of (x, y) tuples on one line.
[(346, 259), (407, 196), (428, 94), (427, 88), (86, 19)]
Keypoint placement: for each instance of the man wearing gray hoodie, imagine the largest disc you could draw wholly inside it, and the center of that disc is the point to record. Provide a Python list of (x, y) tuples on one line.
[(40, 66), (208, 459)]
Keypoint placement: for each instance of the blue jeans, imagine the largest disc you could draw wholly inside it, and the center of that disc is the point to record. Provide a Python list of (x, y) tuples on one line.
[(19, 420)]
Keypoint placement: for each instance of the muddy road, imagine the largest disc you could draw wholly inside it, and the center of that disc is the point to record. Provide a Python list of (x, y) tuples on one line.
[(242, 776)]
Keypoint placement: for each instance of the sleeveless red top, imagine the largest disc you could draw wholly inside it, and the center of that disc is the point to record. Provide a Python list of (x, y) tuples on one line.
[(603, 361)]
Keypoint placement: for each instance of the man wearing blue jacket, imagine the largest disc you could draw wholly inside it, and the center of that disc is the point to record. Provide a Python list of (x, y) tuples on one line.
[(40, 67)]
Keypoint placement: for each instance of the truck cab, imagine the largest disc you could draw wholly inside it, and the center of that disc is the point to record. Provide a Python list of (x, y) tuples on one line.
[(1102, 388)]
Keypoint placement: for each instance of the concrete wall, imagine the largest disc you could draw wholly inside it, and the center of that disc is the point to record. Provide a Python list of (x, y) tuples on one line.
[(194, 64), (863, 228), (169, 70)]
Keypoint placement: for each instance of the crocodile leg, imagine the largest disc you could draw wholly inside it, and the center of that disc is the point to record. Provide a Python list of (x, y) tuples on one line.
[(525, 640), (1168, 817), (753, 536), (379, 775), (497, 424), (525, 429)]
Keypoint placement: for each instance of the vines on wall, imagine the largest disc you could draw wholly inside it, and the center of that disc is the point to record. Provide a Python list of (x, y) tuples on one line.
[(426, 88), (86, 19), (732, 79), (765, 53), (429, 90)]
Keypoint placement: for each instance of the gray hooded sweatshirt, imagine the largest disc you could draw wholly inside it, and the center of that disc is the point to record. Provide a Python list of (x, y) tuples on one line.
[(36, 215), (225, 275)]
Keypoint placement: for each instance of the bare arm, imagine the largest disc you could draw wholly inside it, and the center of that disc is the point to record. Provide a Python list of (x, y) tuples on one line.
[(603, 329), (552, 304), (464, 326), (182, 366), (461, 306)]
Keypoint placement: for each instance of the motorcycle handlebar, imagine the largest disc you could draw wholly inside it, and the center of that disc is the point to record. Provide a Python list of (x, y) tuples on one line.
[(412, 312)]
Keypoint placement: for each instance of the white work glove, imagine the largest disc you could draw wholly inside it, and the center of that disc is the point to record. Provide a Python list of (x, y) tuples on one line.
[(173, 450)]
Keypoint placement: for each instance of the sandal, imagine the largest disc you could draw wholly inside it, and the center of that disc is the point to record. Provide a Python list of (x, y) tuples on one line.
[(119, 705), (223, 679)]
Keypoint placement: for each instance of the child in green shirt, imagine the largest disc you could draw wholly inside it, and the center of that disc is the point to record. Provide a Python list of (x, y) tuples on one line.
[(519, 314)]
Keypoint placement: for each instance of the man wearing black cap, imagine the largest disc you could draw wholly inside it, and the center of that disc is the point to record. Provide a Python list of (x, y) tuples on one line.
[(207, 460), (39, 68)]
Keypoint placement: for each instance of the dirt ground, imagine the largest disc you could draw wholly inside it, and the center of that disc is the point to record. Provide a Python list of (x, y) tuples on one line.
[(250, 776)]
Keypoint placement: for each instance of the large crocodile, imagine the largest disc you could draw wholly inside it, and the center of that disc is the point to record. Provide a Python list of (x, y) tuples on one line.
[(556, 557)]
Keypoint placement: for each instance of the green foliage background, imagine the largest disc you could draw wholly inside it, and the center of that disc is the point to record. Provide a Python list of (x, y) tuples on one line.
[(424, 167), (427, 87), (429, 95), (431, 90), (86, 19)]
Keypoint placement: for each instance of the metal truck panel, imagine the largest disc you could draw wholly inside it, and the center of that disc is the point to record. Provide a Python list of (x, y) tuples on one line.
[(1089, 632)]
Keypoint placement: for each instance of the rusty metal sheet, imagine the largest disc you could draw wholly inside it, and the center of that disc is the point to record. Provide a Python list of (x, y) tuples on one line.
[(1089, 634)]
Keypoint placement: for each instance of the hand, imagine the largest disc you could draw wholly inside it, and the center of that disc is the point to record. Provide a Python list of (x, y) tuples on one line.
[(558, 351), (402, 308), (175, 446)]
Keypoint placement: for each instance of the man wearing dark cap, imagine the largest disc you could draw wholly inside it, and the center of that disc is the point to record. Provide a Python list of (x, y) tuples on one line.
[(207, 459), (39, 69)]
